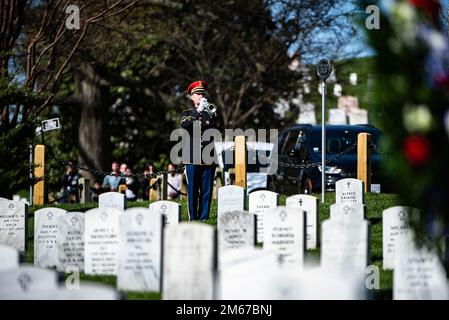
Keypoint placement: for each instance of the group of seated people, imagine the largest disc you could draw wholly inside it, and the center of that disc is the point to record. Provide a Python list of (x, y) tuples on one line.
[(121, 179)]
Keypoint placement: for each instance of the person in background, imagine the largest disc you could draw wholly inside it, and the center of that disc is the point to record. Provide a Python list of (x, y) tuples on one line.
[(95, 191), (174, 181), (131, 185), (70, 182), (123, 168), (112, 181), (144, 181)]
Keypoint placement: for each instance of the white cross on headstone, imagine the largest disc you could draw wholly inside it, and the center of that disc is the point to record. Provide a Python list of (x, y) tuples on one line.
[(283, 215), (139, 219), (24, 280)]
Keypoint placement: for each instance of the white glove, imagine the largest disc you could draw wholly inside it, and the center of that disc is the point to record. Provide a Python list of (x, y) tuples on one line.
[(202, 105)]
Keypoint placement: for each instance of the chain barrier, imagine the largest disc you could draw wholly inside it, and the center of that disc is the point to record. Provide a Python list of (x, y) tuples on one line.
[(304, 165), (51, 156), (181, 168), (371, 145), (376, 149)]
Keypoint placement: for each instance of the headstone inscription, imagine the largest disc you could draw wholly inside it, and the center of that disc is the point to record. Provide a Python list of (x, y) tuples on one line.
[(13, 223)]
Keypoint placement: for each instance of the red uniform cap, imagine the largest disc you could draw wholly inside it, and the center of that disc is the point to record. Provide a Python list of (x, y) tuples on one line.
[(197, 87)]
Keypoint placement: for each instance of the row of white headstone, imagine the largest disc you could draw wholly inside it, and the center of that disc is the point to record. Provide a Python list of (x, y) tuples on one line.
[(26, 282), (344, 249), (285, 232), (232, 198), (417, 272)]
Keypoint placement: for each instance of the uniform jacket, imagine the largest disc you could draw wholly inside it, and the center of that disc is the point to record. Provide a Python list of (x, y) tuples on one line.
[(193, 121)]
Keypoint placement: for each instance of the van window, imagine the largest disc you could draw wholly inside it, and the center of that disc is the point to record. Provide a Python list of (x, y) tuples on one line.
[(333, 145), (290, 142), (338, 141)]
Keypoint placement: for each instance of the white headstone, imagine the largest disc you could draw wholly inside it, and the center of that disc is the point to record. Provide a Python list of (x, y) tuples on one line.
[(285, 233), (348, 103), (309, 204), (89, 291), (46, 237), (236, 229), (330, 284), (353, 78), (345, 244), (418, 274), (140, 250), (28, 283), (305, 107), (349, 192), (230, 198), (189, 262), (355, 211), (171, 210), (9, 258), (306, 87), (114, 200), (247, 274), (70, 242), (337, 117), (395, 226), (307, 117), (306, 112), (358, 117), (259, 202), (101, 241), (13, 219), (337, 90)]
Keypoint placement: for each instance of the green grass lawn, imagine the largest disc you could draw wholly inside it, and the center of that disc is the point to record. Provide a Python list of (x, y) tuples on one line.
[(376, 203)]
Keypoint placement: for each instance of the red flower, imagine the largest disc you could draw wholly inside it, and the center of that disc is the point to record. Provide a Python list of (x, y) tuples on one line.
[(416, 149), (431, 7), (442, 81)]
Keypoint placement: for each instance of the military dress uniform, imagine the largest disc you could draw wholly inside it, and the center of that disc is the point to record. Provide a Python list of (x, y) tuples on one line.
[(200, 175)]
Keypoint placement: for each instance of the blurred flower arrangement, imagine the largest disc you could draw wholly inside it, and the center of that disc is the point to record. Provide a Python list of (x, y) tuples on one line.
[(411, 105)]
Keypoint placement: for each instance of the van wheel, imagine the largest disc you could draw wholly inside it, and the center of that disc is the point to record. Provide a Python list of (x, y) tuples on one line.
[(306, 186)]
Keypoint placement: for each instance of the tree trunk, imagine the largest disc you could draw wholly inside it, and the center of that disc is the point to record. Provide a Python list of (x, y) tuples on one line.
[(93, 134)]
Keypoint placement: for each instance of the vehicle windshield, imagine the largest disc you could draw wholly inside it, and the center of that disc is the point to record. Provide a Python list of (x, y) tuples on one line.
[(338, 141)]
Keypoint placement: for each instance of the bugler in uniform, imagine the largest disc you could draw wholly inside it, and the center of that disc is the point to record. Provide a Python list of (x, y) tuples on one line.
[(200, 175)]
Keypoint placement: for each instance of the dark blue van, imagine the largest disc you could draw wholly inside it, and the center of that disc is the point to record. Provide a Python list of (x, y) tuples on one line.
[(301, 144)]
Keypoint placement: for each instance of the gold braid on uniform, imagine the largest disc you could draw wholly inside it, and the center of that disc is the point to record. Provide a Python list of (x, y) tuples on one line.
[(187, 118)]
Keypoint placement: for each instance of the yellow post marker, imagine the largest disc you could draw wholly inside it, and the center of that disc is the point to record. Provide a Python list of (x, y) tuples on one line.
[(364, 160), (153, 194), (240, 161), (122, 188), (39, 175)]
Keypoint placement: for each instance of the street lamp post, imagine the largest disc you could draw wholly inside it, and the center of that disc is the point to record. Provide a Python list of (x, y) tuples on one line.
[(324, 70)]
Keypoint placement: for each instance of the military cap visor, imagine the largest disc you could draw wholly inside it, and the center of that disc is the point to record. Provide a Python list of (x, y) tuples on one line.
[(197, 87)]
